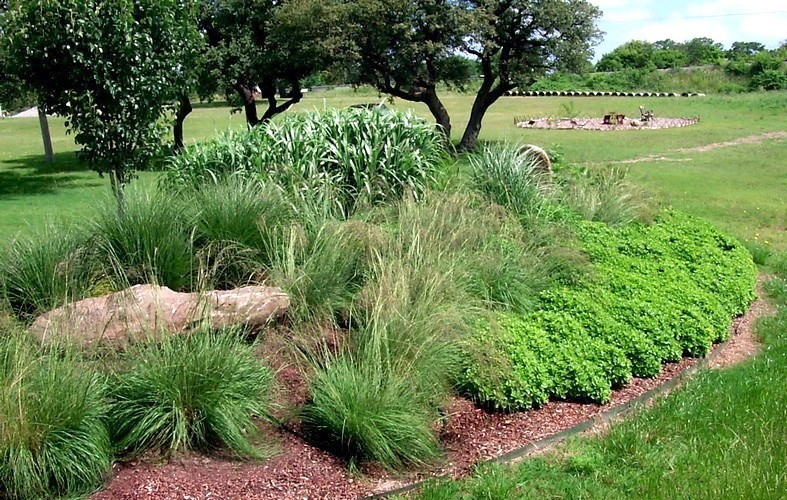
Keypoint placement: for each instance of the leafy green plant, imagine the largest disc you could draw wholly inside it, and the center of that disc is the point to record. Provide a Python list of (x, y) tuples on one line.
[(53, 437), (346, 157), (45, 269), (199, 391), (505, 367), (149, 240), (657, 292)]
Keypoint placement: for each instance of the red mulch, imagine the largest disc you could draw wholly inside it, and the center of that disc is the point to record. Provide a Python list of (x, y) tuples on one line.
[(301, 470)]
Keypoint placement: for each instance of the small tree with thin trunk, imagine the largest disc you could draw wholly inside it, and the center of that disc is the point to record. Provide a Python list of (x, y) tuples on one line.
[(109, 67)]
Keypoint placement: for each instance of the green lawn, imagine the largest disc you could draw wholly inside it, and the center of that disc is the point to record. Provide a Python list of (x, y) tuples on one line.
[(742, 189)]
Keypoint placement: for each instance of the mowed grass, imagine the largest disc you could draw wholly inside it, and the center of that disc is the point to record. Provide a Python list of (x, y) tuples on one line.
[(741, 189), (726, 185)]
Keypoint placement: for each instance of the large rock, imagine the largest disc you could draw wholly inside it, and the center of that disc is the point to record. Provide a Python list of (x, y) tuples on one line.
[(145, 310)]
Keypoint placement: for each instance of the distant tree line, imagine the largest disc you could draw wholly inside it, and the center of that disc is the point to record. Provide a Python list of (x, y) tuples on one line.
[(765, 68)]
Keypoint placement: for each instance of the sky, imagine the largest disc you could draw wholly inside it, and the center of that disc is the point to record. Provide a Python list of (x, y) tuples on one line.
[(724, 21)]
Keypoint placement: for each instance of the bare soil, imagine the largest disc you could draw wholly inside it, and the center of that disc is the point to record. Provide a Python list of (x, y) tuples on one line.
[(301, 470)]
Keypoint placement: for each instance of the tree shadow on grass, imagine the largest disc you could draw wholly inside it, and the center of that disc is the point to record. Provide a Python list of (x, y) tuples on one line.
[(32, 175)]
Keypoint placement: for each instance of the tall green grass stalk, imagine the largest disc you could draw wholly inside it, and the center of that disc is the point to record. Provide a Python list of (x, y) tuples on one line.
[(320, 265), (199, 391), (150, 241), (44, 270), (349, 157), (53, 437)]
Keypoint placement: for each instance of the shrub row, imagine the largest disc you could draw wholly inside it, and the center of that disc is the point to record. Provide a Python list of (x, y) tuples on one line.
[(61, 422), (658, 292)]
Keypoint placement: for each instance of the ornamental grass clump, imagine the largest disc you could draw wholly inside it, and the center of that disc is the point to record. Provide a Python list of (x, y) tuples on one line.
[(150, 240), (379, 398), (347, 157), (604, 195), (53, 437), (512, 180), (200, 391), (45, 270), (241, 211), (320, 264), (366, 407)]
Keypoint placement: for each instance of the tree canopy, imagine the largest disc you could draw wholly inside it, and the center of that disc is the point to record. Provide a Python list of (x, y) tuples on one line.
[(268, 47), (109, 67), (407, 48)]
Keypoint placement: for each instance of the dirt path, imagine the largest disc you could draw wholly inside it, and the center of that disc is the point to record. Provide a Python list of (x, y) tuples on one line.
[(752, 139), (744, 343)]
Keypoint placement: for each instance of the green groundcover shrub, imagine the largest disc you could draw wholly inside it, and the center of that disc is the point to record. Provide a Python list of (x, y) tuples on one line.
[(347, 156), (659, 292)]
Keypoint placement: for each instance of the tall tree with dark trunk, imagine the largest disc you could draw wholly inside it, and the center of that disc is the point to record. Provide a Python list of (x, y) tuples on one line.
[(110, 67), (257, 47), (408, 48), (517, 41)]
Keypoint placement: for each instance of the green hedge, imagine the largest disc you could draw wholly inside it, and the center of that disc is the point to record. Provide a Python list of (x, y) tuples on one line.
[(658, 292)]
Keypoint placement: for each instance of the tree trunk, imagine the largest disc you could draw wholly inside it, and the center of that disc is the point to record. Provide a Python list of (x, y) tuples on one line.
[(184, 108), (485, 98), (45, 136), (117, 179), (440, 114), (473, 128), (274, 108), (249, 104)]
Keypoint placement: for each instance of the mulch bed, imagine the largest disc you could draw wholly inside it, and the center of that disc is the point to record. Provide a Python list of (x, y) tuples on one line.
[(300, 470)]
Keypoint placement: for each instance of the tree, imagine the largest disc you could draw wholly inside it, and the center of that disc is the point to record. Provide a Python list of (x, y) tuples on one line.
[(636, 54), (109, 67), (407, 48), (268, 47), (744, 50), (518, 41), (703, 50)]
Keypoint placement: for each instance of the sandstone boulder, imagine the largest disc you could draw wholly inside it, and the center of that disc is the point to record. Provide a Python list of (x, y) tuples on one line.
[(143, 310)]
